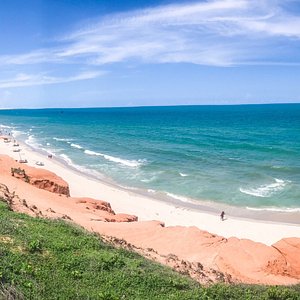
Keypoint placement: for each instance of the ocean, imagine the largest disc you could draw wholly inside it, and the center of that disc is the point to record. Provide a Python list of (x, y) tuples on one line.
[(244, 155)]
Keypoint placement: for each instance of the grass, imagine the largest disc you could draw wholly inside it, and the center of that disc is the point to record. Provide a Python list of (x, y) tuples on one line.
[(44, 259)]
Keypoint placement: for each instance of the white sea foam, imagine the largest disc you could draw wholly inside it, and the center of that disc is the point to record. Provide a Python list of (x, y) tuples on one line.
[(49, 151), (82, 169), (48, 144), (75, 146), (266, 190), (183, 174), (151, 191), (275, 209), (181, 198), (16, 133), (89, 152), (31, 141), (149, 179), (5, 126), (66, 158), (62, 139), (125, 162)]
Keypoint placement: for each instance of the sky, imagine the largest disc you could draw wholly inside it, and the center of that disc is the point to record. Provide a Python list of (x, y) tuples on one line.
[(106, 53)]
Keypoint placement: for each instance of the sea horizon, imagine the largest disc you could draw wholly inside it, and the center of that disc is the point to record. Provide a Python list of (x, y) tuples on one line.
[(155, 105)]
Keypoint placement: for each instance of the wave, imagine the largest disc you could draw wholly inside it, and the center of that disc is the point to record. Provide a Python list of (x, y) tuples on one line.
[(31, 141), (266, 190), (147, 180), (183, 174), (76, 146), (16, 133), (5, 126), (128, 163), (66, 158), (62, 139), (181, 198), (275, 209), (82, 169), (48, 151)]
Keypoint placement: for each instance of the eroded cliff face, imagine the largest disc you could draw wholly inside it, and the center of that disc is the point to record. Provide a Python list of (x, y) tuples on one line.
[(107, 214), (290, 251), (196, 252), (204, 256), (40, 178)]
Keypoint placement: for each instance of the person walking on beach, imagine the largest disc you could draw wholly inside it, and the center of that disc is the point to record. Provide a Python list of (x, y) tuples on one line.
[(222, 216)]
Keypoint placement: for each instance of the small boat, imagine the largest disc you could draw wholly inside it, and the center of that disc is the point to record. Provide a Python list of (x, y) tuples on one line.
[(16, 145), (39, 163), (23, 161), (17, 150)]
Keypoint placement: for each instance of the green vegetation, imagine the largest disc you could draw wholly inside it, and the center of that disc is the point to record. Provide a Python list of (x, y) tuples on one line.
[(43, 259)]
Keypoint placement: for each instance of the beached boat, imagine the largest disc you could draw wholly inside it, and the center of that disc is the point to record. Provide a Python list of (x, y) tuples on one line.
[(23, 161)]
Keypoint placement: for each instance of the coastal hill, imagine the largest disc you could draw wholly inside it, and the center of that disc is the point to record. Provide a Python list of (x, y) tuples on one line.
[(51, 259), (204, 256)]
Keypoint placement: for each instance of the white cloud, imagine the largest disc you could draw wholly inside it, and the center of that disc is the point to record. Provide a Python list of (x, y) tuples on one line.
[(22, 80), (215, 32)]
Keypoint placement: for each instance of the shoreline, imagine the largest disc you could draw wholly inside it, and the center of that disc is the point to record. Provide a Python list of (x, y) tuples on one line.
[(172, 213), (284, 215), (277, 214), (270, 215)]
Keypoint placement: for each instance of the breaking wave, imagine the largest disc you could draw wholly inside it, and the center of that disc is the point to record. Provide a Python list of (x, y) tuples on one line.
[(76, 146), (16, 133), (62, 139), (183, 174), (125, 162), (31, 141), (177, 197), (67, 159), (266, 190), (5, 126), (276, 209)]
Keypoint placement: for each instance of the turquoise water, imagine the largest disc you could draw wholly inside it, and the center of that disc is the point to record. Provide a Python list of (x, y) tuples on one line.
[(247, 155)]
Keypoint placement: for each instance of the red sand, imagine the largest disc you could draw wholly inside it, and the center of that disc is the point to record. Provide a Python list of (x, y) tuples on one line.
[(204, 256)]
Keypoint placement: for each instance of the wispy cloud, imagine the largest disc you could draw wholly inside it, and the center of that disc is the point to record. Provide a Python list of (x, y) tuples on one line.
[(219, 33), (22, 80), (215, 32)]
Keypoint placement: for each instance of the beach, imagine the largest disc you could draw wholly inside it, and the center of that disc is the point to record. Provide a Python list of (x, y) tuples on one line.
[(147, 208), (194, 242)]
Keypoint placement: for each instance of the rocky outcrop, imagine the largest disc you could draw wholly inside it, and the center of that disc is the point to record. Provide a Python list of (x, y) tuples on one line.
[(94, 205), (124, 218), (50, 185), (40, 178), (104, 211)]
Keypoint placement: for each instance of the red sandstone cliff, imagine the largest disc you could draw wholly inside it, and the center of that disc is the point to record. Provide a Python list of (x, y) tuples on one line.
[(40, 178), (202, 255)]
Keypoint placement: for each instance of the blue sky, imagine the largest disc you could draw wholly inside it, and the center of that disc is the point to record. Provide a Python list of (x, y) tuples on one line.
[(68, 53)]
